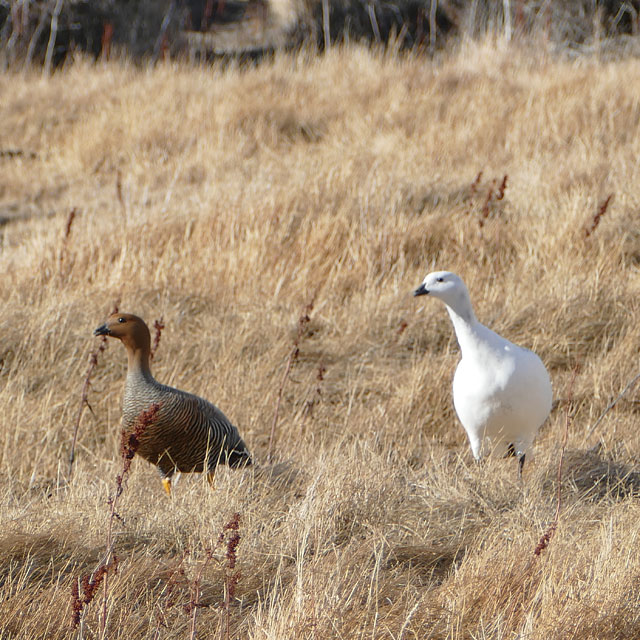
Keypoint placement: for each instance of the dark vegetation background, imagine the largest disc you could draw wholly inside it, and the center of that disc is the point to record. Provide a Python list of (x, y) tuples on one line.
[(143, 29)]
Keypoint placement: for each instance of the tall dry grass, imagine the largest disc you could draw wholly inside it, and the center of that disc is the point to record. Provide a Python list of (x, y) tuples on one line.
[(224, 202)]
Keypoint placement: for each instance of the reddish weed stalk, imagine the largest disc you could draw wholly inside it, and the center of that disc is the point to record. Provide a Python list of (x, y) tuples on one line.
[(105, 42), (90, 586), (65, 238), (596, 219), (130, 441), (178, 581), (230, 538), (492, 195), (119, 192), (70, 219), (473, 191), (231, 531), (317, 396), (84, 401), (303, 321), (485, 207), (502, 188), (475, 184), (158, 325), (544, 541)]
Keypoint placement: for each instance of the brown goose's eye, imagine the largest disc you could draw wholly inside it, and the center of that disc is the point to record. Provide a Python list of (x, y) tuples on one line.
[(121, 320)]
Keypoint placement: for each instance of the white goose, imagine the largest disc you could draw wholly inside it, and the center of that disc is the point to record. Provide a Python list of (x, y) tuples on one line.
[(501, 392)]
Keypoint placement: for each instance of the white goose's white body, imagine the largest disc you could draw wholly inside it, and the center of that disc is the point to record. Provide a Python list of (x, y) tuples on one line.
[(501, 392)]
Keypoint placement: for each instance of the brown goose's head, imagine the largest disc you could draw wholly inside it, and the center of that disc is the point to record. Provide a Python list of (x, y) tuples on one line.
[(130, 329)]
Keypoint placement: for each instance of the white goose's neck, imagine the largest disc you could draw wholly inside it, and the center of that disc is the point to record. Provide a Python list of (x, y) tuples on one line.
[(464, 320)]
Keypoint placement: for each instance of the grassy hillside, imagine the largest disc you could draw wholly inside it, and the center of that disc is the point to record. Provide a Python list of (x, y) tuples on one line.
[(230, 203)]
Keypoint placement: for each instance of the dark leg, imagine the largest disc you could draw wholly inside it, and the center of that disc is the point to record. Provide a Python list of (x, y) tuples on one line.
[(520, 465)]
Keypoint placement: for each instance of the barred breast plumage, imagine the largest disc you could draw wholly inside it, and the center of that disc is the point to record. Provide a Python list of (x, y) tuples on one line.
[(187, 433)]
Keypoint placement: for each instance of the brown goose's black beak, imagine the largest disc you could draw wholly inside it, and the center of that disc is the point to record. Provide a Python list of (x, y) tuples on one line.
[(102, 330), (421, 291)]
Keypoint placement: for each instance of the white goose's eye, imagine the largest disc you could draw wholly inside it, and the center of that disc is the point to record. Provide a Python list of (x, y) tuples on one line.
[(440, 279)]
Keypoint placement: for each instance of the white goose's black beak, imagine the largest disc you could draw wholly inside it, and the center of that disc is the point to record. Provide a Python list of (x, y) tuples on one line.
[(102, 330), (421, 291)]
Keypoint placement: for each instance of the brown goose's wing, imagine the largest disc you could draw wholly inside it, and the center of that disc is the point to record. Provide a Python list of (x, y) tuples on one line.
[(191, 433)]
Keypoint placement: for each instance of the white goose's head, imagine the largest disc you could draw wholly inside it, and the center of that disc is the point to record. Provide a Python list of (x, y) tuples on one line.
[(449, 288)]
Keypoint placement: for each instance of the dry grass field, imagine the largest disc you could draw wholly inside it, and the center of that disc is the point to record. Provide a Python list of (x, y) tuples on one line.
[(229, 203)]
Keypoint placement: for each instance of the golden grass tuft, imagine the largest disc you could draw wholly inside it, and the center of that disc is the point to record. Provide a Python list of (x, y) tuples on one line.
[(225, 200)]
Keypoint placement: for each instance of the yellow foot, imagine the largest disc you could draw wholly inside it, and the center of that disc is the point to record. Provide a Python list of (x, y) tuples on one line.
[(166, 483), (211, 476)]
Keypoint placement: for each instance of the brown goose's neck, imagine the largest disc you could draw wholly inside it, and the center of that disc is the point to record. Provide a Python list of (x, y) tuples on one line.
[(138, 361)]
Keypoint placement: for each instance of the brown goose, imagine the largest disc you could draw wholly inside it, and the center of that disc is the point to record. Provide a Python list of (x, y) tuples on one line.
[(187, 433)]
